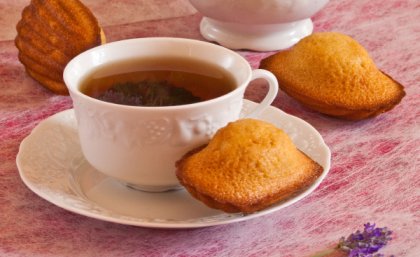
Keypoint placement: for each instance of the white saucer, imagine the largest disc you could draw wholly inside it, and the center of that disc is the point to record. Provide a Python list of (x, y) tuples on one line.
[(51, 164)]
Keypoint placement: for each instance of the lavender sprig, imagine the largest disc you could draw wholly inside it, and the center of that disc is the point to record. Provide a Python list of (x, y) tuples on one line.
[(360, 244), (366, 243)]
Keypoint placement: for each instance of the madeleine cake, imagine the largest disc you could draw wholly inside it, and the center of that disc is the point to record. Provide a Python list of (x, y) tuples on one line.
[(50, 33), (333, 74), (247, 166)]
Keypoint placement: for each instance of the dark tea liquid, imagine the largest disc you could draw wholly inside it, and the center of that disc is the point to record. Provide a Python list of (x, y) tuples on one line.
[(158, 82)]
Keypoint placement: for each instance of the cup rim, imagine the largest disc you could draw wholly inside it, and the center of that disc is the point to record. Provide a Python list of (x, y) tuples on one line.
[(74, 89)]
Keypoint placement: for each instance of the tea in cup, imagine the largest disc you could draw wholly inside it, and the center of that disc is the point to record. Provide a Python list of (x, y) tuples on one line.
[(141, 104)]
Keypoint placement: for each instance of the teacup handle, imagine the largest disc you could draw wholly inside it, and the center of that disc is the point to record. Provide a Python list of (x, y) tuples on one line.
[(273, 88)]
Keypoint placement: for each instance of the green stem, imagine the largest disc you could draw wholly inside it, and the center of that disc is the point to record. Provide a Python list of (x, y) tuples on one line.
[(324, 253)]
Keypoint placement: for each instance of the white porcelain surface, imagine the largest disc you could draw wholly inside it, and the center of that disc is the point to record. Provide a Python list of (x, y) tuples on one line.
[(261, 37), (128, 142), (261, 25), (51, 164)]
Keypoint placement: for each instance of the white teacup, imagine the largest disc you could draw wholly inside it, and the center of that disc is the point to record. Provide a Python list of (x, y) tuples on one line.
[(140, 145)]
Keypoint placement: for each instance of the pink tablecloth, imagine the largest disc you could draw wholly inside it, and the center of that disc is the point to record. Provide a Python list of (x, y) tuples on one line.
[(375, 163)]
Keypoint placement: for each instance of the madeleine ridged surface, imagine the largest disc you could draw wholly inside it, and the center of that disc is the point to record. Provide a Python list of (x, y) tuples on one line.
[(50, 34), (247, 166), (333, 74)]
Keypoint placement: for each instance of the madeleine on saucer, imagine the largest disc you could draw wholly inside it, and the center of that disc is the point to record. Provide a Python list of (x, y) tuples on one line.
[(247, 166), (333, 74)]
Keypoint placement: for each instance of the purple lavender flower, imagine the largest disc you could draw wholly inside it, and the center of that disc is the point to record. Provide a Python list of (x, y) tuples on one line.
[(366, 243)]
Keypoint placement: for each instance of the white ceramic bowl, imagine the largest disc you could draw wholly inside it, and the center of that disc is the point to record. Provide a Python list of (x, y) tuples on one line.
[(260, 25)]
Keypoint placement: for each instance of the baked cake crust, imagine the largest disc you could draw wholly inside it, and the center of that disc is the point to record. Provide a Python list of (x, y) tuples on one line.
[(248, 166), (49, 34), (333, 74)]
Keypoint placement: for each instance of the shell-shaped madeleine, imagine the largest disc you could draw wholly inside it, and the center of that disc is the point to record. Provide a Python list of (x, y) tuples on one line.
[(332, 73), (52, 32), (247, 166)]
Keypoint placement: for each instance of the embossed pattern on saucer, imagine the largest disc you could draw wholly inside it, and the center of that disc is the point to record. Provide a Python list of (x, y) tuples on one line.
[(51, 164)]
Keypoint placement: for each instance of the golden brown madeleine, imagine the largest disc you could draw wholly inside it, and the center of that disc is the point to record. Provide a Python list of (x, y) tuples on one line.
[(333, 74), (50, 34), (247, 166)]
